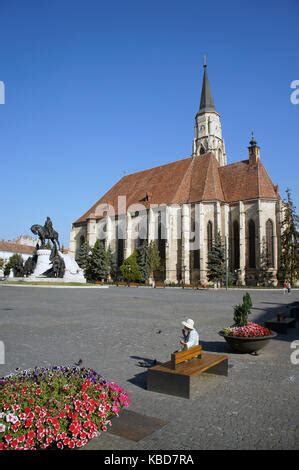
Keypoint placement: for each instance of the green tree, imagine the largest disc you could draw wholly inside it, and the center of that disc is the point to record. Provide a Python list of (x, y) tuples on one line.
[(289, 240), (16, 263), (83, 256), (1, 263), (216, 260), (154, 258), (130, 269), (98, 268), (143, 260)]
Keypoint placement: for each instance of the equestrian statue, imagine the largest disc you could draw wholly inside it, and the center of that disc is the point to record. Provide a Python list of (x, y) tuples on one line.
[(46, 232)]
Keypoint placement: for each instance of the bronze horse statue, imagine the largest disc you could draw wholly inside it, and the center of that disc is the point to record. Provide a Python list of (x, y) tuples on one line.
[(44, 235)]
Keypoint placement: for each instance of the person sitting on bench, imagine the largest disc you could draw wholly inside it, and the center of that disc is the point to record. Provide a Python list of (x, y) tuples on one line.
[(190, 336)]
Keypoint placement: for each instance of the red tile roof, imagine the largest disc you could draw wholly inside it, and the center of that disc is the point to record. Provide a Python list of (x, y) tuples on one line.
[(241, 182), (12, 247), (193, 179)]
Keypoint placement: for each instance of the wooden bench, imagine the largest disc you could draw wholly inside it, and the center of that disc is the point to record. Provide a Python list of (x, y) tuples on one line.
[(180, 376), (178, 357), (281, 324), (294, 312)]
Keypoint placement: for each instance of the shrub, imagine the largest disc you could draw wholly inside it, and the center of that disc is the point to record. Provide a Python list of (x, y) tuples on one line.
[(130, 269), (241, 311)]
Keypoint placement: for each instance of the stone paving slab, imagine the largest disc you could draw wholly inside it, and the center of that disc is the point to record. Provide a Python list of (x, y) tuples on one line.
[(255, 407)]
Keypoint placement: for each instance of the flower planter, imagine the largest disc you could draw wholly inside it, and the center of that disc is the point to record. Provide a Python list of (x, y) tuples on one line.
[(61, 407), (249, 344)]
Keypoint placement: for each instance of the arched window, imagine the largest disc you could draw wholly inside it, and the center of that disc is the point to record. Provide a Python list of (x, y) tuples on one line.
[(236, 245), (209, 236), (269, 244), (202, 150), (251, 244), (82, 240)]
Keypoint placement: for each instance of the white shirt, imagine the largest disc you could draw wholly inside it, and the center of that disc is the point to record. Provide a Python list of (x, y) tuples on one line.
[(193, 339)]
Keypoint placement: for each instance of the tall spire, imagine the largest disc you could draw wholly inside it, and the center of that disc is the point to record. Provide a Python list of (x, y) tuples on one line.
[(207, 130), (206, 101)]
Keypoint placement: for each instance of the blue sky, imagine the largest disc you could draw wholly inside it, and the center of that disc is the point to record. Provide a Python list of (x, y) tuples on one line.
[(98, 89)]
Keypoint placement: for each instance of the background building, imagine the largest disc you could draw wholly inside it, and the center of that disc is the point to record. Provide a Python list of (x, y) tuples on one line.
[(195, 197)]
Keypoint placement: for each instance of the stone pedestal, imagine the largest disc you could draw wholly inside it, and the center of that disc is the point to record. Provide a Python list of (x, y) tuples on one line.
[(72, 271), (43, 263)]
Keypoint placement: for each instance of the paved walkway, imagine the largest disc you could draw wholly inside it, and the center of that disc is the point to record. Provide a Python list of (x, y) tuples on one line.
[(110, 329)]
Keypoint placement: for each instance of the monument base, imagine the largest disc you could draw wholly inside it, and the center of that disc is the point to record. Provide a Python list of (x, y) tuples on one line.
[(73, 273)]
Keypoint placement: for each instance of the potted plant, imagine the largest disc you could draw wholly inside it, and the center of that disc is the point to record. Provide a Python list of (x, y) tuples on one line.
[(244, 336)]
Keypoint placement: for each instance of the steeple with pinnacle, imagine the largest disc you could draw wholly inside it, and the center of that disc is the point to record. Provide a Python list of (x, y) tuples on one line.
[(207, 131)]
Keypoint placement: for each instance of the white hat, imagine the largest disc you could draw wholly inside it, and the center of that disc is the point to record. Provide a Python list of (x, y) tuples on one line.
[(189, 324)]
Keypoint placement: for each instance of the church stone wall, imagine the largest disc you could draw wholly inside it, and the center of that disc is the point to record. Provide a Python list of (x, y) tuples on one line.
[(179, 224)]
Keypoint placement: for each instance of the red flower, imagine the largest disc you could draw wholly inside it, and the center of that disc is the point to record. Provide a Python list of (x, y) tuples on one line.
[(66, 441), (72, 444), (28, 423), (14, 443), (49, 440), (30, 435), (86, 384), (38, 392)]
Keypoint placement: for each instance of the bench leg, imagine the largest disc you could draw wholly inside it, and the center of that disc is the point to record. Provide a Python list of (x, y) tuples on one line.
[(219, 369)]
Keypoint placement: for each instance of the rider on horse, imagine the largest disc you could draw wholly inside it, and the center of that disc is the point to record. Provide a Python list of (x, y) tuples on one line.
[(49, 228)]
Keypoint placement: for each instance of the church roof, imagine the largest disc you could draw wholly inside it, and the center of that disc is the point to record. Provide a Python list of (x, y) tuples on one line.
[(190, 180), (241, 181)]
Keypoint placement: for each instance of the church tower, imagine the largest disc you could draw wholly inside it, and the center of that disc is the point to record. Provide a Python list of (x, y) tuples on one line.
[(207, 131)]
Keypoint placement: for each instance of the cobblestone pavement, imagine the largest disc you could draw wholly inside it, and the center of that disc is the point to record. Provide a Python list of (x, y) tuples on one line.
[(256, 407)]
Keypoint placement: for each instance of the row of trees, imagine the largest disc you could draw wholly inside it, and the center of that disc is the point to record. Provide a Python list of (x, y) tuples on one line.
[(98, 263)]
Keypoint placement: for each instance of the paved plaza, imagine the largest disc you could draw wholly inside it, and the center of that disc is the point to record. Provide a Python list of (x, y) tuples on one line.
[(255, 407)]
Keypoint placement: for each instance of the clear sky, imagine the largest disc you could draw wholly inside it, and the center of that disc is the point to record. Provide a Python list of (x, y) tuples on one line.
[(97, 89)]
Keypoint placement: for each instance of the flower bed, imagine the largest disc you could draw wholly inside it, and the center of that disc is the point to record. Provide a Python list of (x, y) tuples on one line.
[(58, 407), (251, 330)]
